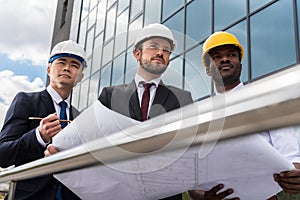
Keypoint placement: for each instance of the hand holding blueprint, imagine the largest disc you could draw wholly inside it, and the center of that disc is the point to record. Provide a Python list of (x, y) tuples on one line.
[(245, 164)]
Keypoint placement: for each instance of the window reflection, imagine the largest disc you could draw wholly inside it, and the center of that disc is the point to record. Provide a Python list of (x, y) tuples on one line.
[(152, 11), (240, 31), (110, 23), (227, 12), (100, 16), (196, 80), (122, 4), (107, 53), (84, 94), (136, 8), (173, 75), (121, 34), (272, 38), (118, 70), (176, 24), (131, 66), (254, 4), (105, 77), (199, 21), (97, 53), (93, 88), (170, 6)]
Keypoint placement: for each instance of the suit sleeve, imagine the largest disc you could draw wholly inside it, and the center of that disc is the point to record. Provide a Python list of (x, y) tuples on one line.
[(104, 97), (18, 143)]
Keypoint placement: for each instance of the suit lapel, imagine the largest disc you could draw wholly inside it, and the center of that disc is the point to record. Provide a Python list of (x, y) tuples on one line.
[(134, 106), (47, 102), (159, 101)]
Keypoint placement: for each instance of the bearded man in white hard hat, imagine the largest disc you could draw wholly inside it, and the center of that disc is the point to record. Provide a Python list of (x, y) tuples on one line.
[(152, 50), (34, 118)]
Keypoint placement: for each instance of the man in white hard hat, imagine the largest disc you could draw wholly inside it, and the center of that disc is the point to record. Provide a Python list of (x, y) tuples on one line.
[(23, 140), (152, 50)]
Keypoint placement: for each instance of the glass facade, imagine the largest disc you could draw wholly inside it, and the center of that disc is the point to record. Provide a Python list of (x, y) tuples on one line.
[(267, 29)]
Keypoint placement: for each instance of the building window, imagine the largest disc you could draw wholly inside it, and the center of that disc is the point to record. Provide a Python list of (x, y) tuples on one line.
[(64, 13)]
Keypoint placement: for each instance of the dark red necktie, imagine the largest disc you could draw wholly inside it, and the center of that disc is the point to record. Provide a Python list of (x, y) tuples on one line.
[(145, 101)]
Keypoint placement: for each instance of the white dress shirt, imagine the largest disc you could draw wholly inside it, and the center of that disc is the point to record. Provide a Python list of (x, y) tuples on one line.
[(56, 98), (285, 140), (139, 81)]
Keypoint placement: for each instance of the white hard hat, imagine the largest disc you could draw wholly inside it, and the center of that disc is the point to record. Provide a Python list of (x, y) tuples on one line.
[(68, 48), (155, 30)]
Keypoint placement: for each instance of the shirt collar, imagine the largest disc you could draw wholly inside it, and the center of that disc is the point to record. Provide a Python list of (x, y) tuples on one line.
[(239, 86), (139, 79), (56, 97)]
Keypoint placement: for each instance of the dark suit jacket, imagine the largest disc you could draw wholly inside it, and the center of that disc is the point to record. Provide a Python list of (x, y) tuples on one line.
[(124, 99), (18, 143)]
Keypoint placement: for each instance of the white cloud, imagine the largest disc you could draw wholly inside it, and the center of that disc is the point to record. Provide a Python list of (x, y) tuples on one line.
[(26, 29), (10, 85)]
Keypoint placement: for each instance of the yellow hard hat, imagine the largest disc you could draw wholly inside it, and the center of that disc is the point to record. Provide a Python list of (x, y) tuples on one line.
[(218, 39)]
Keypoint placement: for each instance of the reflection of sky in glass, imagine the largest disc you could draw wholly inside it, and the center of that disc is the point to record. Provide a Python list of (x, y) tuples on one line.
[(173, 74), (110, 23), (176, 24), (272, 38), (227, 12), (254, 4), (97, 55), (240, 32), (136, 8), (121, 33), (92, 17), (105, 76), (131, 65), (93, 89), (122, 4), (118, 70), (152, 11), (83, 94), (169, 6), (196, 79), (199, 21), (100, 17)]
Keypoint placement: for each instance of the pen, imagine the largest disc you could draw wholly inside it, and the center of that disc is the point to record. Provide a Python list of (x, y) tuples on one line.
[(40, 118)]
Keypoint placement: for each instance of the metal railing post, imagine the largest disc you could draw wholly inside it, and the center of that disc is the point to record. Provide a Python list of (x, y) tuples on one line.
[(11, 191)]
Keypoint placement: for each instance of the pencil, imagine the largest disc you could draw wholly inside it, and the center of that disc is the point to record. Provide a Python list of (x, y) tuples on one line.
[(40, 118)]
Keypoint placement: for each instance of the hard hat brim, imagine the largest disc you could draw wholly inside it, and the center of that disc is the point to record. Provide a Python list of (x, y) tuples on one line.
[(56, 56)]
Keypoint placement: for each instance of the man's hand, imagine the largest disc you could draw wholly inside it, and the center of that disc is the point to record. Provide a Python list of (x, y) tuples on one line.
[(289, 181), (49, 127), (50, 150), (212, 194)]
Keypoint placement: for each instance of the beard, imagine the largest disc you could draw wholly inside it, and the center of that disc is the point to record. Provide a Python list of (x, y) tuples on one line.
[(226, 79), (153, 68)]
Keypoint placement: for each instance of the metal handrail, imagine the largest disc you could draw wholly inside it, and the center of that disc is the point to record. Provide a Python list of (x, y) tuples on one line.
[(266, 104)]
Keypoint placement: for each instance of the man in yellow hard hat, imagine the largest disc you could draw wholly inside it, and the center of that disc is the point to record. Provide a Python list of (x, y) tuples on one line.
[(222, 56), (24, 136)]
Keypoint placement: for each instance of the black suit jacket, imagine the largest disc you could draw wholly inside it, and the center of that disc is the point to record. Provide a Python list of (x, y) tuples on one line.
[(19, 145), (124, 99)]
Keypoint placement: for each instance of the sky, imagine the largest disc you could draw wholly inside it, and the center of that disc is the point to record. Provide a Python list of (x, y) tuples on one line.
[(25, 41)]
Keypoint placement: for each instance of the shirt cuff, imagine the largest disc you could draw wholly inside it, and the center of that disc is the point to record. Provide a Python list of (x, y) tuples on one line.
[(39, 138)]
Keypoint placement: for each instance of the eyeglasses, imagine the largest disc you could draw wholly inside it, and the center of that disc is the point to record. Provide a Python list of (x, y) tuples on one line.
[(156, 47)]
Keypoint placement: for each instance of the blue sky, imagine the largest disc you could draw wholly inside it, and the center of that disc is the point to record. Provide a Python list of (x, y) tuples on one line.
[(25, 40)]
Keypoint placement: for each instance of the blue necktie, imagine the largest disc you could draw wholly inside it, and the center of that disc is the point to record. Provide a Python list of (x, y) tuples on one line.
[(62, 115)]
